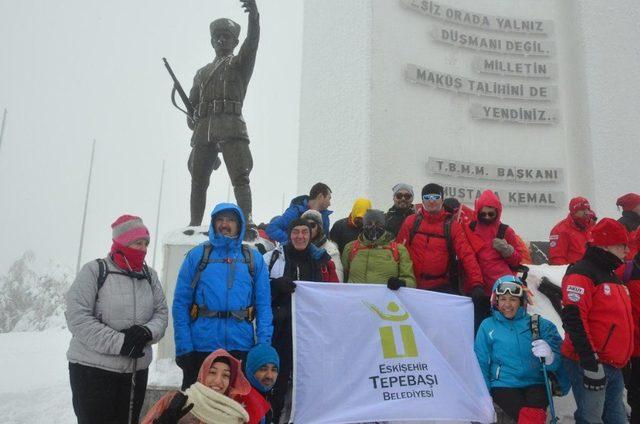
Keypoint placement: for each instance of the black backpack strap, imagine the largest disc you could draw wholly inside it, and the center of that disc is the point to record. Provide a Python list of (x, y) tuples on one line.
[(248, 259), (274, 258), (204, 261), (147, 274), (414, 229), (103, 271), (453, 262), (535, 327), (502, 230)]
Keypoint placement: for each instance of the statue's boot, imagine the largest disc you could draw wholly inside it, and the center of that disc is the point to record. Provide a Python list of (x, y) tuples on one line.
[(243, 197), (198, 203)]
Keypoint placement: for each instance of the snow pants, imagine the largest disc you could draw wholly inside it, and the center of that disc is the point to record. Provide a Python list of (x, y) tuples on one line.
[(522, 404), (103, 397)]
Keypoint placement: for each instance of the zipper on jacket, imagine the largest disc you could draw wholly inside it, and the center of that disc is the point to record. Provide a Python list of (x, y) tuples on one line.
[(606, 342)]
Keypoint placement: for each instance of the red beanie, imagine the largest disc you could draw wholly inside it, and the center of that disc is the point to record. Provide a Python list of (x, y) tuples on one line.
[(579, 204), (128, 229), (628, 201), (608, 232)]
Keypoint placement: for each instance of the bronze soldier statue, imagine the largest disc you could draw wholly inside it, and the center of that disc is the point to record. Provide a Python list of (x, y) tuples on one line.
[(217, 95)]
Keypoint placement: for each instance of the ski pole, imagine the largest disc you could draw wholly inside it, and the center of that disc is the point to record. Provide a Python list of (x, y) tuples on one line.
[(547, 386), (132, 392)]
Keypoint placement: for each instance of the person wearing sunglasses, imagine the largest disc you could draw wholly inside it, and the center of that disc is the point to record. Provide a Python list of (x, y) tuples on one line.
[(510, 358), (320, 240), (434, 241), (497, 251), (568, 239), (401, 209), (598, 321)]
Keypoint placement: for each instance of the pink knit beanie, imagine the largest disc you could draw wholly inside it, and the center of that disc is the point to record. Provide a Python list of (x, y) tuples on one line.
[(128, 229)]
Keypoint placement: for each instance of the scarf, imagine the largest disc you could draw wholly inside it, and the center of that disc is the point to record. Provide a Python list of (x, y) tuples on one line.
[(127, 258), (211, 407)]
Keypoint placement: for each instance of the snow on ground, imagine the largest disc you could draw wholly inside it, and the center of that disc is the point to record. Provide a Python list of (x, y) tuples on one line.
[(34, 387)]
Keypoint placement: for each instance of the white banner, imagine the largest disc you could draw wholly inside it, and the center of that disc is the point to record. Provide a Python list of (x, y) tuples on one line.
[(364, 353)]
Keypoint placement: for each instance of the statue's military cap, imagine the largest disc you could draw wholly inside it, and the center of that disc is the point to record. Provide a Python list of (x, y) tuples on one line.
[(225, 24)]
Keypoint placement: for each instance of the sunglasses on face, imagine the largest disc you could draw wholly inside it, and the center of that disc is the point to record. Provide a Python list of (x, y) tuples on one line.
[(431, 197), (510, 287), (487, 214), (407, 196)]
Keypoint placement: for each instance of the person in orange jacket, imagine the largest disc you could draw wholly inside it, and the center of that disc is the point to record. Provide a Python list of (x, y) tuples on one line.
[(568, 239)]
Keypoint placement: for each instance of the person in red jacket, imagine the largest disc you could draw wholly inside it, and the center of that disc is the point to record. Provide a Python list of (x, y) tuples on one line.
[(499, 253), (568, 239), (630, 275), (434, 240), (598, 325)]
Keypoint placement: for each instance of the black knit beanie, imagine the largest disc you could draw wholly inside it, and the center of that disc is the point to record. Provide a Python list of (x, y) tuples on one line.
[(297, 223), (433, 188)]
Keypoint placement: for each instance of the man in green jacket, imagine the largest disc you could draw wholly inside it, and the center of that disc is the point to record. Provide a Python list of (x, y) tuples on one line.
[(375, 257)]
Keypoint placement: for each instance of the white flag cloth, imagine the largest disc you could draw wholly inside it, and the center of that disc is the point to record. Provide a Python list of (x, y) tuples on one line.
[(364, 353)]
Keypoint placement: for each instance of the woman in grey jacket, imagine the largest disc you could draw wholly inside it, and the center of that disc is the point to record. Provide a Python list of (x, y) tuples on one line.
[(115, 310)]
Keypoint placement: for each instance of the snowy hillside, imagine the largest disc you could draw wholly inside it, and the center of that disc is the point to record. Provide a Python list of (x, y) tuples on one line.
[(32, 295)]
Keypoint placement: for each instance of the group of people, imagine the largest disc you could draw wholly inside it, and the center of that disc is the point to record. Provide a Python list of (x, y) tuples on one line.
[(232, 305)]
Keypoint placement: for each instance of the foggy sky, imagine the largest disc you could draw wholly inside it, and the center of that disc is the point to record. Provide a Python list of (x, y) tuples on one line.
[(74, 70)]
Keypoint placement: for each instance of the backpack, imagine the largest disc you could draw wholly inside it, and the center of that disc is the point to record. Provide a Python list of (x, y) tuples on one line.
[(104, 271), (560, 383), (453, 271), (357, 246), (205, 260)]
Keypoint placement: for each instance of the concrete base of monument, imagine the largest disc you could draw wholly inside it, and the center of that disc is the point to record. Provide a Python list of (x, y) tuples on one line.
[(175, 247)]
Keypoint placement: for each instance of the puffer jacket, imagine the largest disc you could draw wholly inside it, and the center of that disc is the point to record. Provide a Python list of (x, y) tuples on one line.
[(597, 314), (492, 264), (225, 285), (503, 347), (376, 262), (567, 242), (430, 255), (277, 229), (629, 273), (96, 320)]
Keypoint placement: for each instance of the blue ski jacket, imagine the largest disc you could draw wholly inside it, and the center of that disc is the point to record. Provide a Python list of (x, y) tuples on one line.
[(503, 347), (277, 229), (225, 285)]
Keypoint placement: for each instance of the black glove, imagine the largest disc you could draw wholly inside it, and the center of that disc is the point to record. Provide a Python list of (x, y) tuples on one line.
[(135, 339), (479, 297), (283, 285), (186, 362), (394, 283), (175, 411), (594, 379)]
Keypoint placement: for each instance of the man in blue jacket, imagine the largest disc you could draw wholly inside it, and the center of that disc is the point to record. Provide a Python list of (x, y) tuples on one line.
[(509, 354), (222, 285), (319, 199)]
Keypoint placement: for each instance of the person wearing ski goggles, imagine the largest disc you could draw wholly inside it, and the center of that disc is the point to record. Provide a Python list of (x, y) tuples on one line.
[(510, 348)]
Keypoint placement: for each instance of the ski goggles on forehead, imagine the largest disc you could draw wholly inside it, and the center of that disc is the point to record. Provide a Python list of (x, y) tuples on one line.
[(511, 288)]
